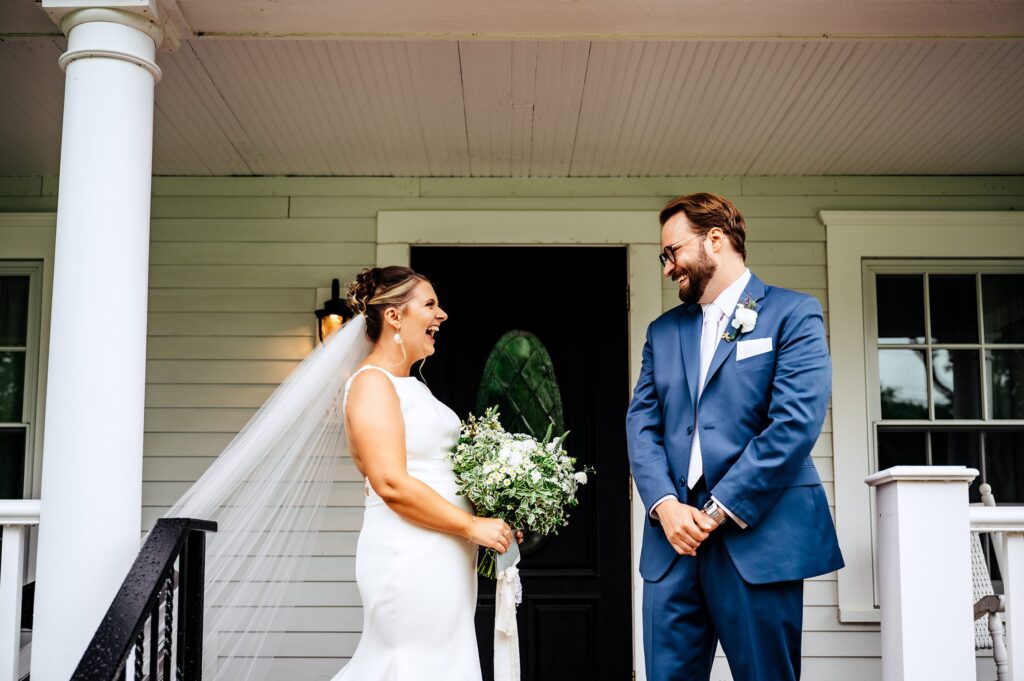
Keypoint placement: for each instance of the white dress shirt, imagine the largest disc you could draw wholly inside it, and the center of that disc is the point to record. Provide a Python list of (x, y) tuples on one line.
[(718, 312)]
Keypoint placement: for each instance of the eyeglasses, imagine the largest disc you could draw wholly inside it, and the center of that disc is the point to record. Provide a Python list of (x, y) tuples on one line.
[(668, 254)]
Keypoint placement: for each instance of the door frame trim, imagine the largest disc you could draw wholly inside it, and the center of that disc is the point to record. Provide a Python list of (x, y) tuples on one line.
[(398, 231)]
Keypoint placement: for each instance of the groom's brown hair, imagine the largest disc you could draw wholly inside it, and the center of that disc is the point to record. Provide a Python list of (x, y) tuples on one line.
[(707, 211)]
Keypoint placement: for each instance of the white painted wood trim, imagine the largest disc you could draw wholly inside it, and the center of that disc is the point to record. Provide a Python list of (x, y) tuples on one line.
[(570, 228), (852, 237), (927, 474), (12, 576), (398, 230), (33, 269), (996, 518), (30, 236)]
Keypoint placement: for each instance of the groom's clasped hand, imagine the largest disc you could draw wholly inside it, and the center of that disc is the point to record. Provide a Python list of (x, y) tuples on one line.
[(686, 527)]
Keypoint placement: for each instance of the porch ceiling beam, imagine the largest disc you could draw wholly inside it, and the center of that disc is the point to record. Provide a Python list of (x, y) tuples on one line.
[(603, 19)]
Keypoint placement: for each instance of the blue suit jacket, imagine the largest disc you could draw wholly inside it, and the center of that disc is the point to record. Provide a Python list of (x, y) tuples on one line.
[(759, 418)]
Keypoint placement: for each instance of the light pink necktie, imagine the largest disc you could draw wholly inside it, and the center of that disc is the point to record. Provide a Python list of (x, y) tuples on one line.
[(709, 337)]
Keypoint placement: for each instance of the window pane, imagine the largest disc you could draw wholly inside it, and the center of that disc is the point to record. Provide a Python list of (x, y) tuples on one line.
[(1004, 454), (13, 310), (12, 463), (1006, 383), (956, 384), (903, 382), (954, 308), (900, 308), (959, 449), (12, 382), (896, 448), (1002, 296)]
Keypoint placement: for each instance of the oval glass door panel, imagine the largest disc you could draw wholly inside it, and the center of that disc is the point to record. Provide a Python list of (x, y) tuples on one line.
[(519, 379)]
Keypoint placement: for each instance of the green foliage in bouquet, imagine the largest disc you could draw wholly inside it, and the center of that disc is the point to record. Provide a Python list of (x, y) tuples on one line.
[(530, 484)]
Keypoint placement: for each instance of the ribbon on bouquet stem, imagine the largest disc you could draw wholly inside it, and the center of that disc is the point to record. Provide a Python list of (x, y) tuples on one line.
[(508, 594)]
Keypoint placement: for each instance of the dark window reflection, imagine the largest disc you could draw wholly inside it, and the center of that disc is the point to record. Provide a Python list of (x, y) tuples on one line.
[(1002, 298), (900, 448), (900, 308), (959, 449), (903, 380), (953, 301), (13, 310), (12, 386), (1006, 383), (1004, 456), (956, 384), (12, 463)]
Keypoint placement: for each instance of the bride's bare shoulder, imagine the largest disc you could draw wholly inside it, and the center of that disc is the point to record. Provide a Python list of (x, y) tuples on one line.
[(372, 386)]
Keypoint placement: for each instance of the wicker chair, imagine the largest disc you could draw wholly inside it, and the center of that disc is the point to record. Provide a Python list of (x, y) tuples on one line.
[(989, 633)]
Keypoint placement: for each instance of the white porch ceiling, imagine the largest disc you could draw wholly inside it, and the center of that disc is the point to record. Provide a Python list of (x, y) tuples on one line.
[(608, 106)]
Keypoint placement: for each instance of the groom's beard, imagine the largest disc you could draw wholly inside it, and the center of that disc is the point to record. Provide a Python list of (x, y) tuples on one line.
[(698, 274)]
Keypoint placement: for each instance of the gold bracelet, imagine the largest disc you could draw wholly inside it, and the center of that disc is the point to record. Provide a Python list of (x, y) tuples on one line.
[(472, 522)]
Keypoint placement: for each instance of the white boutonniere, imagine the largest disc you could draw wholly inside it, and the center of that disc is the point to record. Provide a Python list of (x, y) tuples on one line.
[(743, 321)]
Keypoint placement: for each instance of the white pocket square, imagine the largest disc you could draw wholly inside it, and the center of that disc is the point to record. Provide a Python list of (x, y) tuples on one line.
[(752, 348)]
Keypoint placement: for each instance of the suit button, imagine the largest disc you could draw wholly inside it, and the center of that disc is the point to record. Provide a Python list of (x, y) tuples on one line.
[(682, 482), (689, 430)]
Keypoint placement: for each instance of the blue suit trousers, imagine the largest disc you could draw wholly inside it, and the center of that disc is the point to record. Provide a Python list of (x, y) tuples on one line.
[(703, 599)]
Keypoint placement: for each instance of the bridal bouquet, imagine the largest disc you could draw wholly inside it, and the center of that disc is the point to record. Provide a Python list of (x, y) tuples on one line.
[(529, 484)]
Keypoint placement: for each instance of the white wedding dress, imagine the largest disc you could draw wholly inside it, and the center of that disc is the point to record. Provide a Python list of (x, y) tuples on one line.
[(418, 586)]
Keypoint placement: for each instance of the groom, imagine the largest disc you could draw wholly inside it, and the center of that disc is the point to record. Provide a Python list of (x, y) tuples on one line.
[(731, 398)]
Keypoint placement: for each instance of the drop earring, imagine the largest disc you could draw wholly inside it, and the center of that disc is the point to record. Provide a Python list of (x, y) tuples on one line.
[(398, 337)]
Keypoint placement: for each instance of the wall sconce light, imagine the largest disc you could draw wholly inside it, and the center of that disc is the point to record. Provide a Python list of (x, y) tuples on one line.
[(333, 314)]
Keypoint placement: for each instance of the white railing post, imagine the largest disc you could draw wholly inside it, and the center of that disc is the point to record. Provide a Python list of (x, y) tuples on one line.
[(1013, 590), (1008, 522), (16, 516), (924, 572)]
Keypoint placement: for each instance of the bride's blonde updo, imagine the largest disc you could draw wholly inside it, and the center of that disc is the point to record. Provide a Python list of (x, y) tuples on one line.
[(375, 289)]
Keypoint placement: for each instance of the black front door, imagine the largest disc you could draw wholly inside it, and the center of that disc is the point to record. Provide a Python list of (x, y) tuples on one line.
[(574, 622)]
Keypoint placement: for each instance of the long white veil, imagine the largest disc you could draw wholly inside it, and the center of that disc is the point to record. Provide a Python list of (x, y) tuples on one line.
[(267, 492)]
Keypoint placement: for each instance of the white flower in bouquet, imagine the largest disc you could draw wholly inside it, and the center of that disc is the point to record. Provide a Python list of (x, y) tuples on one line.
[(529, 484)]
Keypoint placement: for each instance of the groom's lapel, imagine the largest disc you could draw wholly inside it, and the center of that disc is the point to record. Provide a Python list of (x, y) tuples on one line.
[(689, 343), (755, 290)]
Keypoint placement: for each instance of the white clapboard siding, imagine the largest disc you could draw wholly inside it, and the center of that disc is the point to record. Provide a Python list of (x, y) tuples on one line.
[(309, 619), (234, 272), (229, 347), (284, 230), (335, 518), (186, 469), (341, 493), (206, 396), (230, 300)]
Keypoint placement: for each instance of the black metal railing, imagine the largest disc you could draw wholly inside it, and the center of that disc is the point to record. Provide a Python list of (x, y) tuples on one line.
[(147, 596)]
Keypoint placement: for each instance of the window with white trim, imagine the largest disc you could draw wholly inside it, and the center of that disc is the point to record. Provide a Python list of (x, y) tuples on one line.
[(19, 298), (859, 246), (947, 357)]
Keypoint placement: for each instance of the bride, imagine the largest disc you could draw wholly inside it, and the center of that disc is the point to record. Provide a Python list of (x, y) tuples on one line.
[(415, 560), (269, 491)]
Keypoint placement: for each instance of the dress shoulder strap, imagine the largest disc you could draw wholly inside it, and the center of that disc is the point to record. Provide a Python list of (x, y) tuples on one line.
[(348, 383)]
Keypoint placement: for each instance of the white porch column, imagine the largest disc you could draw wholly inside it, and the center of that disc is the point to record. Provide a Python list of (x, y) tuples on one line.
[(90, 525), (924, 572)]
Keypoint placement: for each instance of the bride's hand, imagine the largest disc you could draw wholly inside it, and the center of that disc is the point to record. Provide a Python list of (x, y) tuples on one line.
[(491, 533)]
